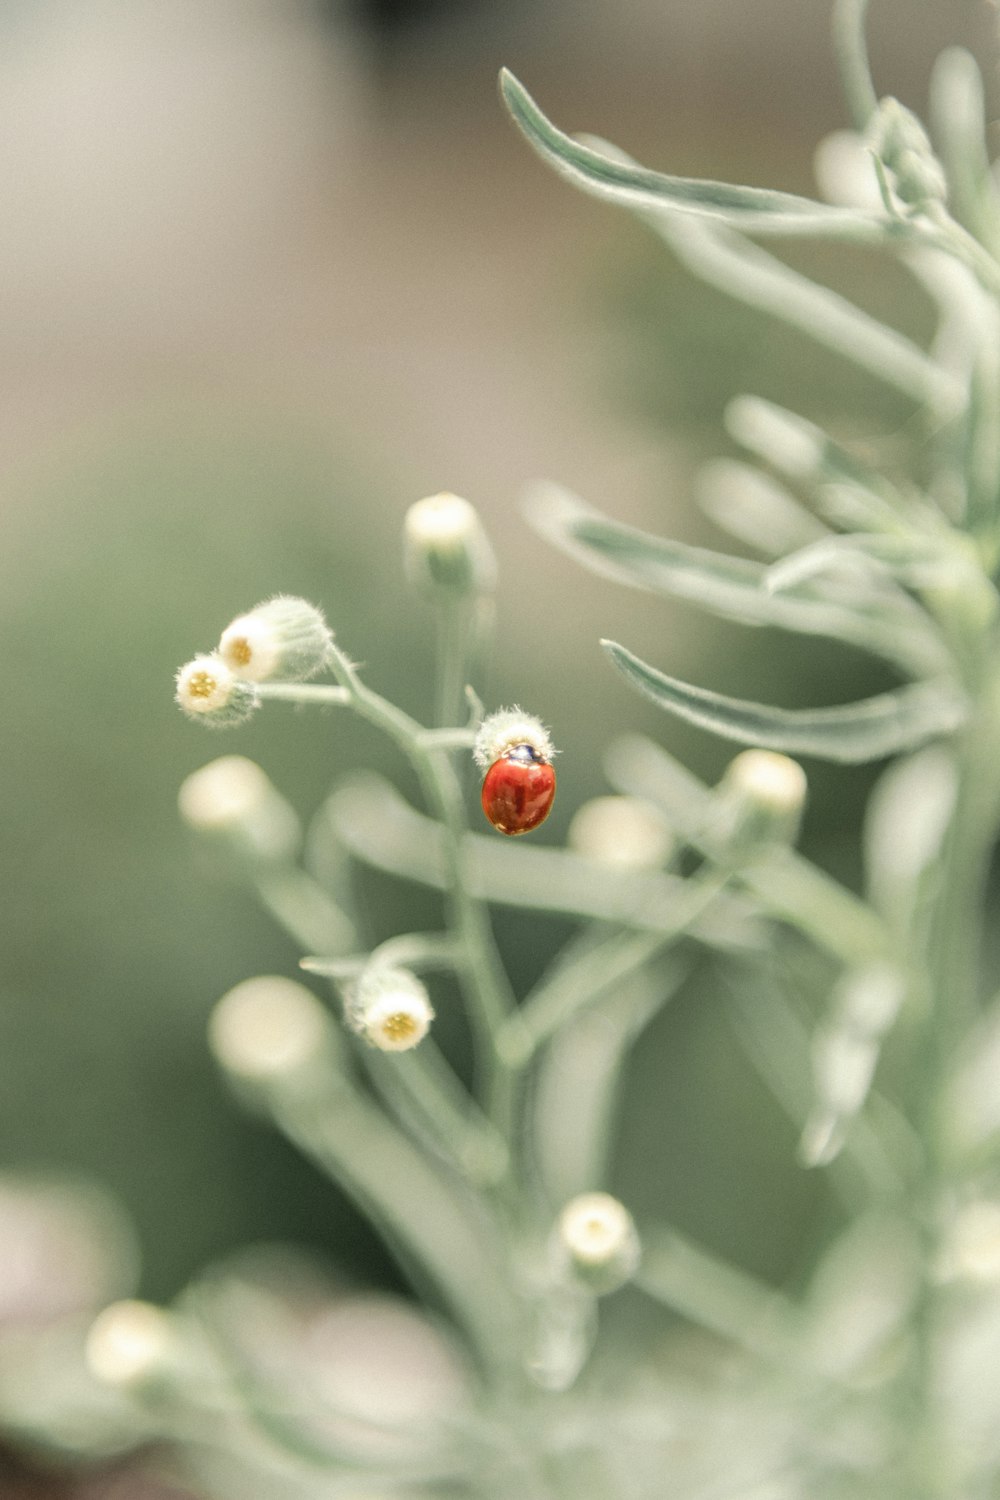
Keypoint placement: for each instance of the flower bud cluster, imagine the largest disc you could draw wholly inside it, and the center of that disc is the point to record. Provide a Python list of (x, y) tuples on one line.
[(901, 143), (284, 639)]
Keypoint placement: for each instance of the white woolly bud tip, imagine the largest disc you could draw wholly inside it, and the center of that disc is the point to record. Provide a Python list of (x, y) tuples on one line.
[(207, 690), (233, 796), (599, 1235), (391, 1009), (771, 781), (129, 1343), (759, 802), (284, 638), (446, 547), (268, 1027), (504, 731), (621, 831), (223, 794)]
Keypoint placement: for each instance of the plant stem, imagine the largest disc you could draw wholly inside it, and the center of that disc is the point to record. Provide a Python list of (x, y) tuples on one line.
[(484, 980), (953, 953)]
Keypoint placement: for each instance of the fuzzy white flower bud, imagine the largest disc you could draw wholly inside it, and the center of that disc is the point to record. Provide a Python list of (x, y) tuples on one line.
[(504, 731), (622, 831), (234, 796), (208, 690), (391, 1009), (284, 638), (446, 548), (130, 1343), (268, 1028), (761, 798), (598, 1236)]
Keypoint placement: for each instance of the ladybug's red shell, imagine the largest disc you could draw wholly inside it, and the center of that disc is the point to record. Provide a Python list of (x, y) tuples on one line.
[(518, 793)]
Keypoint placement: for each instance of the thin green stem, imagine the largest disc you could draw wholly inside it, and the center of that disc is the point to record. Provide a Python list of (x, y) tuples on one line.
[(852, 55), (580, 984), (455, 647), (483, 977), (423, 1091), (953, 945)]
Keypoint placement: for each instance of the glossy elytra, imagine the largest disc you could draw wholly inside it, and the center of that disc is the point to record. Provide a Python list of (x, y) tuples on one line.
[(518, 790)]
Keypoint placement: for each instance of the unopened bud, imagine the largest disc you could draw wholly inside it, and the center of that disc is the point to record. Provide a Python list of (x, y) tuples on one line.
[(391, 1009), (207, 690), (597, 1235), (284, 639), (130, 1343), (446, 547), (233, 796), (760, 800), (902, 144), (269, 1028), (622, 831)]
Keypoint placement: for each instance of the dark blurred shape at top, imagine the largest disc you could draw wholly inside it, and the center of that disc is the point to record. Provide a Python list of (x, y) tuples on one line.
[(386, 18)]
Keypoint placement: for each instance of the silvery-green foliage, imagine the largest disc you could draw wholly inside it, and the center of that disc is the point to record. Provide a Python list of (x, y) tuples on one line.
[(877, 1376)]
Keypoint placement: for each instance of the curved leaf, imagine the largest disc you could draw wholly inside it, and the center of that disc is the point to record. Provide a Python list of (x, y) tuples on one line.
[(731, 262), (918, 561), (852, 733), (757, 210), (733, 587)]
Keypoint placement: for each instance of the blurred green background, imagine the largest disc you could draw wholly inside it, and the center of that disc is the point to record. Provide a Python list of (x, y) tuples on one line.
[(269, 271)]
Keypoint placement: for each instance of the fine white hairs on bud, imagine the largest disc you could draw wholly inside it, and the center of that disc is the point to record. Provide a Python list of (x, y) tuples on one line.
[(391, 1009), (207, 690), (446, 548), (234, 796), (130, 1343), (284, 639), (267, 1028), (761, 798), (622, 831), (503, 731), (596, 1233)]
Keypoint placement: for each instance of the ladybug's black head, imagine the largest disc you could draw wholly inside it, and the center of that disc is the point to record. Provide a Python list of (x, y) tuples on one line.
[(525, 755)]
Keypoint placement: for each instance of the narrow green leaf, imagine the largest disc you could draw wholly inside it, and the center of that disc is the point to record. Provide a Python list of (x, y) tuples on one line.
[(786, 885), (918, 561), (753, 507), (717, 1295), (733, 587), (579, 1075), (732, 263), (381, 828), (959, 116), (757, 210), (852, 733)]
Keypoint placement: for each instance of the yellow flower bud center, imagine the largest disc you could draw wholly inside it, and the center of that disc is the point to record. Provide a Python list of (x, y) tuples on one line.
[(239, 651), (201, 684), (399, 1027)]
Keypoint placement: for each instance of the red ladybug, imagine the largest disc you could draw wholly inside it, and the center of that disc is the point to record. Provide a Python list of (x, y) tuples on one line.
[(519, 790)]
